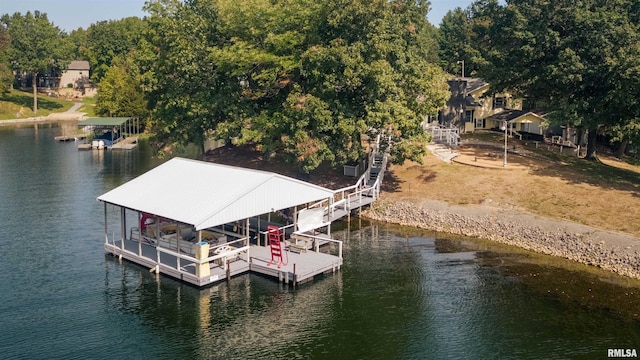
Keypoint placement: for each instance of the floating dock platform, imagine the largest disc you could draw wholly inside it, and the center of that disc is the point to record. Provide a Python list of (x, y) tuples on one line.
[(64, 138), (296, 268)]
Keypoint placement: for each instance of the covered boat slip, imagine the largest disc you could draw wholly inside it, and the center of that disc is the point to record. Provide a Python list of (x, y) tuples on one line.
[(112, 132), (192, 220)]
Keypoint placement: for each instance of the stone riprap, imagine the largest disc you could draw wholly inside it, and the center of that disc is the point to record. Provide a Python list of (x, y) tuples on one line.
[(613, 251)]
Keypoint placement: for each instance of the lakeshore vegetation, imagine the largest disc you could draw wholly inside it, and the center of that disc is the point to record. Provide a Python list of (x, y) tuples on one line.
[(311, 81)]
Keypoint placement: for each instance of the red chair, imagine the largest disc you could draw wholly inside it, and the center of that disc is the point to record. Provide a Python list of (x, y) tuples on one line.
[(274, 235)]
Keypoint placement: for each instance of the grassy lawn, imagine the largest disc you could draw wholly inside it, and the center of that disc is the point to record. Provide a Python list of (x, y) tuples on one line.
[(19, 104), (88, 106), (602, 194)]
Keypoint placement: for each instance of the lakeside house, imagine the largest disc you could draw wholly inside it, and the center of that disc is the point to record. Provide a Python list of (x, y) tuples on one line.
[(470, 108), (76, 75), (72, 81)]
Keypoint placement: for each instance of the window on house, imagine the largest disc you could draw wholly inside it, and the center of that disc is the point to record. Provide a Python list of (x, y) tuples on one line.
[(468, 116), (499, 102)]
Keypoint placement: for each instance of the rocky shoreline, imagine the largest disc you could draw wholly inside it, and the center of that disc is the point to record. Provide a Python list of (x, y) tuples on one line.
[(608, 250)]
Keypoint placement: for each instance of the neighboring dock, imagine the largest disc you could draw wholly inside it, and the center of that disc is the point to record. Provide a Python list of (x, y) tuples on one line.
[(109, 133), (74, 137), (128, 143)]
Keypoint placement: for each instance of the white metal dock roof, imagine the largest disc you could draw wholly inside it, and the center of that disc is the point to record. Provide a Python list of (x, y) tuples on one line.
[(205, 194)]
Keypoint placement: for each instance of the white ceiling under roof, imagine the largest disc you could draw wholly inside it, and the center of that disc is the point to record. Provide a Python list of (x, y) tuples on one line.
[(205, 194)]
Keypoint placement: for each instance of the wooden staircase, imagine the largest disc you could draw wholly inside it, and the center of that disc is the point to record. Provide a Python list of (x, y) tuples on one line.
[(375, 168)]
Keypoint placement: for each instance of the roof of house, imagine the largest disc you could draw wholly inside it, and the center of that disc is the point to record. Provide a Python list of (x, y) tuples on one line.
[(79, 65), (474, 84), (470, 101), (205, 195), (471, 84), (513, 115)]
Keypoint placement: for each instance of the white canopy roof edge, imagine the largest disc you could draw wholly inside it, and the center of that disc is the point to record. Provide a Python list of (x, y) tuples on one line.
[(206, 194)]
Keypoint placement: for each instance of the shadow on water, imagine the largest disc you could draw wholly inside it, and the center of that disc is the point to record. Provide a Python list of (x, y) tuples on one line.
[(551, 277)]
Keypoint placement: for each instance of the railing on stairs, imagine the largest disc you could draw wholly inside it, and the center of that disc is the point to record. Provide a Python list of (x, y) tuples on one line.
[(367, 186)]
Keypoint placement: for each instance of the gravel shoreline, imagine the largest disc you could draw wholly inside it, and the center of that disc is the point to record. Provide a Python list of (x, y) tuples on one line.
[(617, 252)]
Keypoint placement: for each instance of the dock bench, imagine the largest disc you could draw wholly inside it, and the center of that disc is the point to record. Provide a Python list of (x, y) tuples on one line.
[(299, 247)]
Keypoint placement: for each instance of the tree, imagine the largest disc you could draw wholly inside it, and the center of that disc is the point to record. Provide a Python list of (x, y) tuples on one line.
[(120, 92), (34, 46), (568, 53), (304, 79), (456, 42), (187, 93), (77, 44), (6, 76), (464, 35), (106, 40)]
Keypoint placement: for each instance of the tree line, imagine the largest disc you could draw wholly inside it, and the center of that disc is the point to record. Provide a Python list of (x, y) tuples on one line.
[(311, 80)]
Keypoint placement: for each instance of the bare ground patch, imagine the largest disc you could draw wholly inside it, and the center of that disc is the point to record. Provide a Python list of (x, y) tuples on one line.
[(547, 184)]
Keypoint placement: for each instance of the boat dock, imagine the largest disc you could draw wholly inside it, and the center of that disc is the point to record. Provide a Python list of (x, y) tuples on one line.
[(128, 143), (109, 133), (296, 268), (219, 224), (74, 137)]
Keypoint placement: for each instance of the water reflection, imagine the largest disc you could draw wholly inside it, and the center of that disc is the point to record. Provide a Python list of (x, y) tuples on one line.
[(247, 316)]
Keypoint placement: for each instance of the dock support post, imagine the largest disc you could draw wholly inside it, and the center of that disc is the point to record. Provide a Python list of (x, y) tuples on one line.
[(106, 231), (123, 231), (178, 246), (139, 216), (157, 261), (228, 270), (258, 233), (295, 276)]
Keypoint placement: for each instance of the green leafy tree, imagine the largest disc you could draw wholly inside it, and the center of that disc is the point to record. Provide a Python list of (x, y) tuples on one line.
[(464, 35), (570, 54), (456, 42), (120, 92), (188, 94), (6, 76), (76, 40), (301, 78), (106, 40), (35, 46)]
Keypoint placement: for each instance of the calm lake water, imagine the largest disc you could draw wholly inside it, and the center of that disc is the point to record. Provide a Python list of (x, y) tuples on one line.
[(401, 294)]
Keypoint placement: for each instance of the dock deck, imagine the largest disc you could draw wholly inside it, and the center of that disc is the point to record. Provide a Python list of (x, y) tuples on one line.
[(128, 143), (296, 268), (64, 138)]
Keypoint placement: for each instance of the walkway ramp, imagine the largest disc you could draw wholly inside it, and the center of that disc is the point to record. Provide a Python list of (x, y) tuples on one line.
[(363, 193)]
